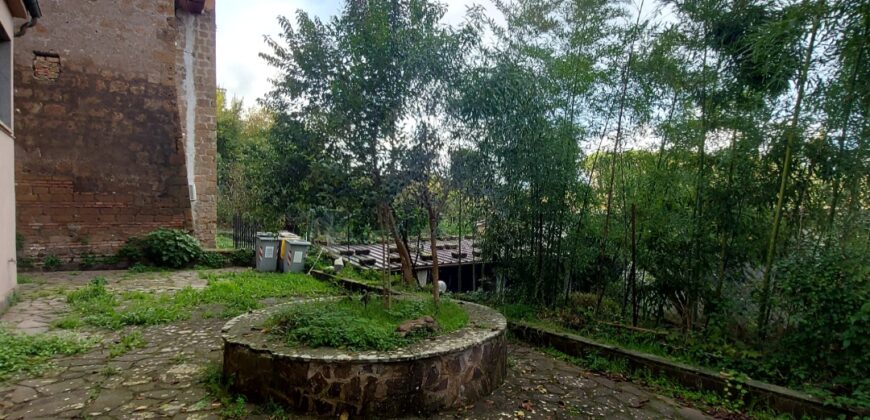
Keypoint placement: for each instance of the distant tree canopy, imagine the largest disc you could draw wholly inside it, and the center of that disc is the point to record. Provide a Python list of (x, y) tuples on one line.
[(704, 159)]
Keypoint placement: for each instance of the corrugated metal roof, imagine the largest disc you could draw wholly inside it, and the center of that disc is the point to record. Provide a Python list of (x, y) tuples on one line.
[(451, 252)]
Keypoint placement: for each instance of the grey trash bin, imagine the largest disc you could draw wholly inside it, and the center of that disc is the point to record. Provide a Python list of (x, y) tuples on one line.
[(267, 252), (293, 252)]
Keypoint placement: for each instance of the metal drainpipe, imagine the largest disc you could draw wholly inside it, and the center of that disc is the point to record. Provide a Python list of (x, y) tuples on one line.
[(35, 13)]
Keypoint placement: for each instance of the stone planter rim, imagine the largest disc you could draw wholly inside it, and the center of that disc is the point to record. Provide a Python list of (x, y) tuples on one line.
[(484, 324)]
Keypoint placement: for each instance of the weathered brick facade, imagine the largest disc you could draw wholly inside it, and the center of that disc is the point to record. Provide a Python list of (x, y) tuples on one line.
[(102, 150), (195, 61)]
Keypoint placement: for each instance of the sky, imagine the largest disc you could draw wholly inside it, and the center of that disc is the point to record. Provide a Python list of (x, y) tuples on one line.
[(241, 25)]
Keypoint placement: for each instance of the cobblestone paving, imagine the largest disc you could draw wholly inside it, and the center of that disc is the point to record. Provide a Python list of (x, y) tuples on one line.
[(43, 299), (541, 387), (163, 379)]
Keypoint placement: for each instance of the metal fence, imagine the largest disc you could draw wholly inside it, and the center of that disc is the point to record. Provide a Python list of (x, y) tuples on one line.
[(315, 225), (245, 232)]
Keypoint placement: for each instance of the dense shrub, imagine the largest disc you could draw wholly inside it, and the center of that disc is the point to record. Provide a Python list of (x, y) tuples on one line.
[(87, 260), (520, 311), (51, 263), (171, 248), (828, 318), (242, 257), (580, 309), (324, 263), (133, 251), (213, 260)]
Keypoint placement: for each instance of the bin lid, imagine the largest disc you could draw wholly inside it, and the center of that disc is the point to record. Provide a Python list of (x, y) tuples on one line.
[(267, 235), (297, 242)]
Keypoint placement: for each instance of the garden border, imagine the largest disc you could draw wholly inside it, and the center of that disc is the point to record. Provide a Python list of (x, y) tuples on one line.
[(449, 371), (351, 285), (776, 397)]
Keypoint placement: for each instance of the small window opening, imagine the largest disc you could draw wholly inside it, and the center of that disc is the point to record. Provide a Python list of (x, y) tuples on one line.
[(46, 66)]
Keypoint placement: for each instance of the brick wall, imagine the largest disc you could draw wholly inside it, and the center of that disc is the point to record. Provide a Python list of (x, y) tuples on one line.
[(100, 145)]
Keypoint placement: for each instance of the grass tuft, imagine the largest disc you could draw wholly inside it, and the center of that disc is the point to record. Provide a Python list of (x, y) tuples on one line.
[(236, 293), (349, 324), (21, 353), (127, 342)]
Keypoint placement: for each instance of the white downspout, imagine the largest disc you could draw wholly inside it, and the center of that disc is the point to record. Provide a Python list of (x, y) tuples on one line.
[(190, 106)]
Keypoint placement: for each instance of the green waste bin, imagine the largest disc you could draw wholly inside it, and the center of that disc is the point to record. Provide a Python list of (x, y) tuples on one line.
[(267, 252), (293, 252)]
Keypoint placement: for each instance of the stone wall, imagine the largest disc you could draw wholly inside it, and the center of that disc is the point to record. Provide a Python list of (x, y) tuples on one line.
[(195, 63), (449, 371), (100, 142)]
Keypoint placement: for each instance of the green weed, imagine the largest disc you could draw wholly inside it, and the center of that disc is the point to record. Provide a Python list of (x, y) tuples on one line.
[(139, 268), (88, 260), (110, 371), (69, 322), (51, 263), (218, 388), (351, 324), (236, 293), (30, 353), (127, 342), (224, 240)]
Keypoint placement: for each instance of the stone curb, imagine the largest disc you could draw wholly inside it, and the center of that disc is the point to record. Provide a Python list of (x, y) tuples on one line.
[(450, 371), (779, 398), (352, 285), (484, 324)]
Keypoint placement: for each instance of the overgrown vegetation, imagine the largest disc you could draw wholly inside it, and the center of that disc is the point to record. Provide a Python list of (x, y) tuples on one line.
[(705, 174), (230, 293), (716, 353), (172, 248), (224, 240), (354, 324), (21, 353), (24, 279), (51, 263), (731, 402), (218, 388)]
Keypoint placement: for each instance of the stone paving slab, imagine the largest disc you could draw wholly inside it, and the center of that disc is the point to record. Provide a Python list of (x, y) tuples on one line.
[(163, 379), (541, 387)]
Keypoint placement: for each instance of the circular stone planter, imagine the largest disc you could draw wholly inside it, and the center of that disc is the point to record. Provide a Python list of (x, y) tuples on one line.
[(447, 371)]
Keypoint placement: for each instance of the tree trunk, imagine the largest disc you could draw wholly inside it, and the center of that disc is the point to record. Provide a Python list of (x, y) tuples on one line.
[(459, 249), (386, 272), (764, 304), (404, 254), (726, 229), (633, 274), (433, 243), (850, 99), (609, 206)]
